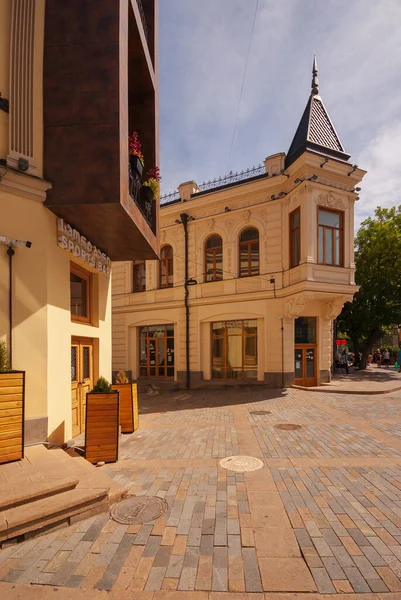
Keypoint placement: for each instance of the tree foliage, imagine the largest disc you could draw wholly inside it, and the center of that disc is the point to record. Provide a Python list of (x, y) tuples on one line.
[(377, 305)]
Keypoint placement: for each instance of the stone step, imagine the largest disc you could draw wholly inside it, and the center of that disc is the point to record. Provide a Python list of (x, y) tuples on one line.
[(60, 508), (12, 496)]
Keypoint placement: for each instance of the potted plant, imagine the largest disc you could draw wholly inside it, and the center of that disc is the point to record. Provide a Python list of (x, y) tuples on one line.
[(128, 403), (12, 409), (151, 186), (102, 423), (136, 160)]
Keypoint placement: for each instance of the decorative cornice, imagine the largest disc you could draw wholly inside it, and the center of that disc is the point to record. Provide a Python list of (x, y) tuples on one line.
[(25, 186), (329, 200), (332, 308)]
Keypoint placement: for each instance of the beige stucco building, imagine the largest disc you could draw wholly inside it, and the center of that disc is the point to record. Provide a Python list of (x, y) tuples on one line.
[(58, 136), (270, 264)]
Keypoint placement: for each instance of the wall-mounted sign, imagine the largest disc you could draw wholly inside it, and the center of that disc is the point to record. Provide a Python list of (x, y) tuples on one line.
[(71, 240), (341, 342)]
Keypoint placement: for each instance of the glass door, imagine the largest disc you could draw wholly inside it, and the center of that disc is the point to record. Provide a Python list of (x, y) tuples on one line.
[(305, 365)]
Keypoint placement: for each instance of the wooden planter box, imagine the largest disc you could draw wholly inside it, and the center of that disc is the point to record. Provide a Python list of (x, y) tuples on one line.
[(128, 406), (102, 427), (12, 411)]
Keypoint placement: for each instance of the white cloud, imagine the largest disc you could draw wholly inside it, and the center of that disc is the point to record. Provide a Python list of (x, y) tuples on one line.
[(382, 184)]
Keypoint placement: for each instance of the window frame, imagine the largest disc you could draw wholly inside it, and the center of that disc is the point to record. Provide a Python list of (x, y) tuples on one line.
[(249, 245), (244, 336), (294, 264), (332, 229), (148, 339), (213, 251), (142, 265), (87, 277), (166, 263)]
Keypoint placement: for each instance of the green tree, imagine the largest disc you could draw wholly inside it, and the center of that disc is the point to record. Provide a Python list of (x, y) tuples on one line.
[(377, 305)]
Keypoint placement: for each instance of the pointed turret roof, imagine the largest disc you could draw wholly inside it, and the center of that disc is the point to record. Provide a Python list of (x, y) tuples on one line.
[(315, 130)]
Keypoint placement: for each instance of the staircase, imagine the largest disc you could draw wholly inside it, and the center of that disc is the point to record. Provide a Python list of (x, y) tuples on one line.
[(50, 489)]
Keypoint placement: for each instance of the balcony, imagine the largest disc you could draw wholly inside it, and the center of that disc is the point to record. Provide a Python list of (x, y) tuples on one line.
[(100, 85)]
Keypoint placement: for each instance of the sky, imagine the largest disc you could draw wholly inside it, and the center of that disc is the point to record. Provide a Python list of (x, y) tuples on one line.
[(202, 55)]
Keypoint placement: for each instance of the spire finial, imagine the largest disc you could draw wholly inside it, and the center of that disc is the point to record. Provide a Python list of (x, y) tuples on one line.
[(315, 80)]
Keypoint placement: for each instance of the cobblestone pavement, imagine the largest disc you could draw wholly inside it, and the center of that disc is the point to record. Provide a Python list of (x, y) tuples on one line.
[(322, 516)]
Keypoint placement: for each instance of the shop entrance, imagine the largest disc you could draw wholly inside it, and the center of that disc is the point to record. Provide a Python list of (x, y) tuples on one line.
[(156, 351), (305, 351), (81, 380)]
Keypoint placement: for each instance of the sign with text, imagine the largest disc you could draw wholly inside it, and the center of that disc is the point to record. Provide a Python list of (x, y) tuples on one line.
[(72, 241), (341, 342)]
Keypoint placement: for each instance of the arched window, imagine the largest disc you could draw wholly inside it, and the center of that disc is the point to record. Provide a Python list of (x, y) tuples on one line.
[(214, 258), (166, 267), (249, 252)]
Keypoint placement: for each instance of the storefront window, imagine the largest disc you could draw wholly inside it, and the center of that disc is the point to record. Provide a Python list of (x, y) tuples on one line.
[(80, 294), (156, 351), (305, 330), (234, 349)]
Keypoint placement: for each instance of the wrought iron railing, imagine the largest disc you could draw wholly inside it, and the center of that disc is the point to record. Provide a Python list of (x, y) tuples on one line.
[(143, 18), (170, 197), (232, 177), (143, 202)]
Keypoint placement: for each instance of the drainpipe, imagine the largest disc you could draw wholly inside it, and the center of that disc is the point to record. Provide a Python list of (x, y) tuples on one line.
[(10, 252), (184, 220)]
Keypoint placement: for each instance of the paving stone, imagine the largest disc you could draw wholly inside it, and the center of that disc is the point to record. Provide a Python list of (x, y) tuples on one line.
[(285, 575), (323, 581), (152, 546), (220, 570), (377, 585), (364, 566), (187, 579), (357, 581), (322, 547), (175, 566), (374, 557), (333, 568), (390, 579), (276, 543), (253, 581), (155, 578)]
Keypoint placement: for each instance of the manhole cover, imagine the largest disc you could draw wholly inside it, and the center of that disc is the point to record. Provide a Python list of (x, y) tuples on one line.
[(260, 412), (240, 464), (140, 509), (287, 426)]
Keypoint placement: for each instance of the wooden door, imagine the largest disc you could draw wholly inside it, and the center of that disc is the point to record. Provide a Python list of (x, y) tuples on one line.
[(81, 381), (305, 356)]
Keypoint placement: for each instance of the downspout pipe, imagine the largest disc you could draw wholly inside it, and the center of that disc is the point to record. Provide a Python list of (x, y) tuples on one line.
[(184, 220), (10, 252), (282, 352)]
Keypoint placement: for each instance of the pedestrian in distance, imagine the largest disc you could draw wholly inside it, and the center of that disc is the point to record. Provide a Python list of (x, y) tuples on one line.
[(386, 358), (399, 360)]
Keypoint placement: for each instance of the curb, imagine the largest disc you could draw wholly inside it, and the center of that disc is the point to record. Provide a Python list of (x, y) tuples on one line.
[(349, 392)]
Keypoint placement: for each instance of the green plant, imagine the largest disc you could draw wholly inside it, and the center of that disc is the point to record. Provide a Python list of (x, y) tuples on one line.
[(102, 386), (4, 357), (154, 186), (121, 377)]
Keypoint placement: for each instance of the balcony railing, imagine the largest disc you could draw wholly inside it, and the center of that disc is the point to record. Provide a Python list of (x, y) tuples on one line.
[(141, 195)]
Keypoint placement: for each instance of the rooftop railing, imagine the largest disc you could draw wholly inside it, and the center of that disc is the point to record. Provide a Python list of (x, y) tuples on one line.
[(232, 177)]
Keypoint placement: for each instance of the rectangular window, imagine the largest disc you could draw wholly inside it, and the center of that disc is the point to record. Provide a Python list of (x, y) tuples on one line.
[(80, 294), (330, 237), (235, 349), (139, 276), (295, 237), (305, 330)]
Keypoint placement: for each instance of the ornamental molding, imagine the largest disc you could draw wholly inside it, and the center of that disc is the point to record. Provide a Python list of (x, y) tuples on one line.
[(163, 235), (330, 201), (247, 215), (294, 307), (332, 308)]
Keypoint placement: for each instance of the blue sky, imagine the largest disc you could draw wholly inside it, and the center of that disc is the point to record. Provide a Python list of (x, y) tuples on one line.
[(202, 53)]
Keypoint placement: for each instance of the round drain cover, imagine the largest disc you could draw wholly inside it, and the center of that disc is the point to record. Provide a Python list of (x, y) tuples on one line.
[(140, 509), (287, 426), (260, 412), (240, 464)]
